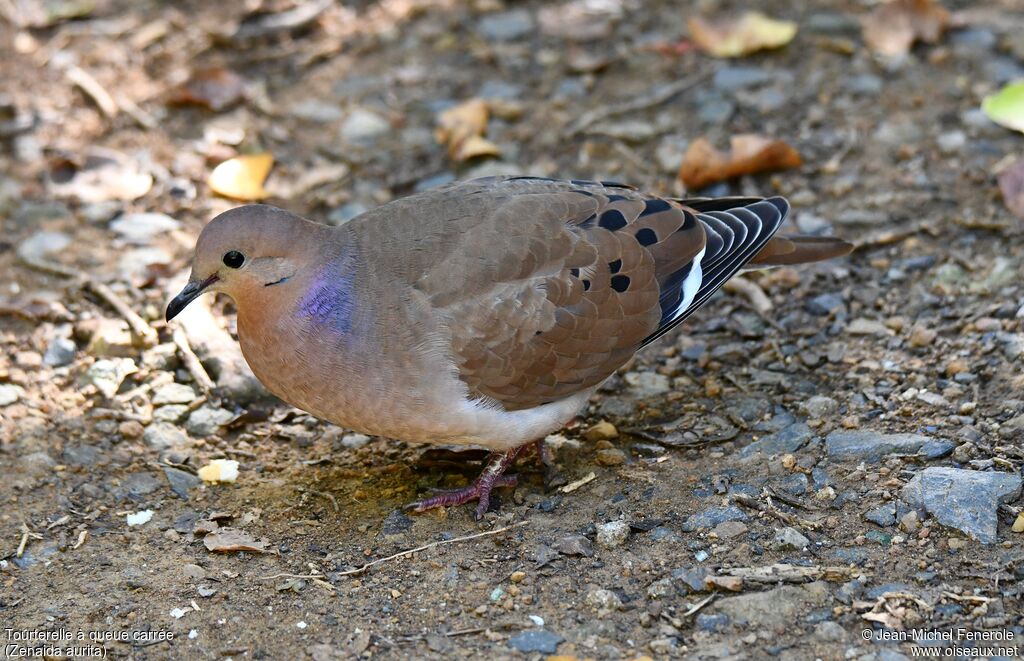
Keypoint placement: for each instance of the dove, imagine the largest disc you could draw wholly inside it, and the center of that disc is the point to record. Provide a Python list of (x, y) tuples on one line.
[(483, 312)]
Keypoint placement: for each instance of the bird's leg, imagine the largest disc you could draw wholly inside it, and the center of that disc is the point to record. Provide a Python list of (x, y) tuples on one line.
[(480, 490)]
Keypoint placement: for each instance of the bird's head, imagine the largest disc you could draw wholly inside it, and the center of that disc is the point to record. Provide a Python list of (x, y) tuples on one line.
[(246, 250)]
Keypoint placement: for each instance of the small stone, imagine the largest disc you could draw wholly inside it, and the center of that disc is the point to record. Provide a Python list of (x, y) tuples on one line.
[(60, 352), (611, 457), (603, 601), (779, 607), (354, 441), (131, 429), (108, 375), (872, 446), (535, 640), (790, 539), (730, 529), (920, 336), (883, 516), (867, 327), (10, 393), (910, 522), (1018, 524), (712, 621), (647, 384), (820, 407), (170, 413), (142, 228), (661, 589), (396, 523), (506, 26), (207, 420), (713, 516), (111, 339), (164, 435), (825, 304), (173, 393), (602, 431), (517, 576), (787, 440), (967, 500), (574, 545), (364, 127), (829, 631), (612, 534)]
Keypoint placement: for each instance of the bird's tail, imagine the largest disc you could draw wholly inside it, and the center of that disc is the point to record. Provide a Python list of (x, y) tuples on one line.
[(786, 250)]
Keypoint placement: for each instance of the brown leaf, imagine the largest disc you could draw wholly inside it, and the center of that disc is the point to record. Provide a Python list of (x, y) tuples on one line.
[(749, 154), (461, 129), (892, 28), (227, 540), (1011, 185), (743, 35), (216, 88)]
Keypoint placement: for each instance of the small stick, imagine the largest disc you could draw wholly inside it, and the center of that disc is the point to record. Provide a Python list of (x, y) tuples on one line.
[(192, 362), (360, 570), (84, 80), (696, 607), (82, 536), (573, 486), (138, 325), (750, 291), (654, 98)]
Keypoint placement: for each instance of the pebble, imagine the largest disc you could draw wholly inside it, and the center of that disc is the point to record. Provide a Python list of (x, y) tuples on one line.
[(60, 352), (823, 305), (534, 640), (790, 539), (867, 327), (506, 26), (396, 523), (871, 446), (110, 339), (364, 127), (967, 500), (354, 441), (730, 529), (164, 435), (207, 420), (10, 393), (574, 545), (884, 515), (661, 589), (820, 407), (170, 413), (829, 631), (713, 516), (605, 602), (712, 621), (612, 534), (173, 393), (602, 431), (921, 336), (779, 607), (142, 228), (610, 457), (789, 439), (731, 79), (647, 384), (108, 374)]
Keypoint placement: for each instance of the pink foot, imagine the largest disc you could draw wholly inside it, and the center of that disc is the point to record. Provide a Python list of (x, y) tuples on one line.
[(491, 478)]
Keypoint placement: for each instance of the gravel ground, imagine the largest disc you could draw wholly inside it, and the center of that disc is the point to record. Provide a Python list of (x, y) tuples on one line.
[(810, 474)]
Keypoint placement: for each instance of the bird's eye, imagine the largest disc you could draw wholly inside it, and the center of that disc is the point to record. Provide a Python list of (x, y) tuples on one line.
[(233, 259)]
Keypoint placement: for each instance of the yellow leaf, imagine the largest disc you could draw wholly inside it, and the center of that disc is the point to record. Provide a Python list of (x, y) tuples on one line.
[(242, 177), (751, 32), (461, 130)]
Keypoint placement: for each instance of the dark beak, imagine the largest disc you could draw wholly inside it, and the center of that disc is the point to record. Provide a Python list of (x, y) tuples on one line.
[(191, 292)]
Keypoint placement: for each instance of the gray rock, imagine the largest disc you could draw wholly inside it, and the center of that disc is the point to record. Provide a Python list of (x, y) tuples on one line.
[(170, 413), (963, 499), (396, 523), (164, 435), (142, 228), (316, 111), (354, 441), (107, 375), (712, 621), (712, 516), (774, 608), (795, 484), (872, 446), (689, 579), (612, 534), (535, 640), (829, 631), (661, 589), (647, 384), (825, 304), (603, 601), (789, 439), (883, 516), (364, 127), (180, 481), (790, 539), (820, 406), (136, 485), (506, 25), (207, 420), (60, 352), (173, 393), (574, 545), (81, 455)]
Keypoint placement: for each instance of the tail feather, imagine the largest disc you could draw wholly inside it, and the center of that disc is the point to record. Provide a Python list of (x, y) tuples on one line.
[(786, 250)]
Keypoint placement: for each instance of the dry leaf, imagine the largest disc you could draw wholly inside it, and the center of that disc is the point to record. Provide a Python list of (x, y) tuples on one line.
[(461, 129), (219, 470), (227, 540), (749, 154), (892, 28), (1006, 107), (1011, 184), (736, 37), (242, 177), (216, 89)]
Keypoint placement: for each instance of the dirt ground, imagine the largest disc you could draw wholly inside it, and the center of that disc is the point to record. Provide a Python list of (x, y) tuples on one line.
[(664, 532)]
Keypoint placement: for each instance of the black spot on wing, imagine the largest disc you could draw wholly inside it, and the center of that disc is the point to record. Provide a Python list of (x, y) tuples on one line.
[(574, 272), (530, 178), (612, 220), (615, 184), (655, 206), (615, 266), (582, 182), (616, 198), (647, 236), (586, 285), (620, 283)]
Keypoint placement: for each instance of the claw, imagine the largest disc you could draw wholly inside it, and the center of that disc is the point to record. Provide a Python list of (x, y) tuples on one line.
[(480, 490)]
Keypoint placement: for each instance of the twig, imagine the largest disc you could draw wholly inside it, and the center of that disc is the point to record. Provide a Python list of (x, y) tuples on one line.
[(792, 573), (649, 100), (887, 238), (360, 570), (192, 362), (692, 610), (785, 517), (137, 324), (324, 494), (573, 486), (84, 80), (750, 291)]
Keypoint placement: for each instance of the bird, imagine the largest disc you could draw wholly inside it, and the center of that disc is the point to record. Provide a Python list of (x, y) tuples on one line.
[(484, 312)]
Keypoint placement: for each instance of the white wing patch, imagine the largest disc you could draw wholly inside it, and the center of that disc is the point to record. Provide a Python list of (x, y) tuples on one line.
[(690, 286)]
